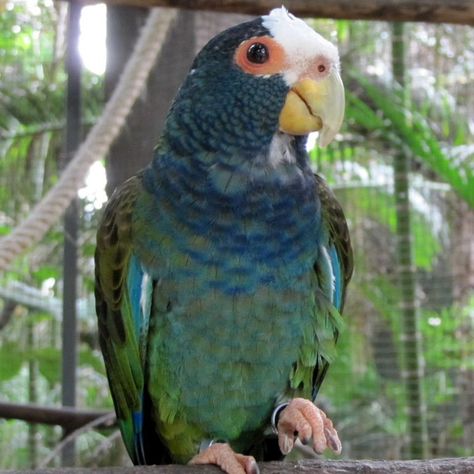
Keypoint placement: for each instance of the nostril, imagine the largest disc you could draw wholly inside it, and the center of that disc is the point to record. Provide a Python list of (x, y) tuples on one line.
[(320, 66)]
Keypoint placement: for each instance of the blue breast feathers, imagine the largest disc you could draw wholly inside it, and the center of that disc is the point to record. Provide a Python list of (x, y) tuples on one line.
[(252, 222)]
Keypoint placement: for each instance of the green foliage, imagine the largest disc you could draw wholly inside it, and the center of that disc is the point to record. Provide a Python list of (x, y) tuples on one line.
[(13, 357), (49, 363), (409, 130), (11, 361), (384, 212), (45, 272), (92, 359), (447, 330)]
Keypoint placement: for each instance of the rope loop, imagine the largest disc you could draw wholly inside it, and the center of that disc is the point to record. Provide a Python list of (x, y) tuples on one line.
[(131, 84)]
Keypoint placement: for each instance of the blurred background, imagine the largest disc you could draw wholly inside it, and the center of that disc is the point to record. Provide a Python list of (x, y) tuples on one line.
[(402, 167)]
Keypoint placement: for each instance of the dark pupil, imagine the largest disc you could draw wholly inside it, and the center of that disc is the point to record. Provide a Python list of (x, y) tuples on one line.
[(257, 53)]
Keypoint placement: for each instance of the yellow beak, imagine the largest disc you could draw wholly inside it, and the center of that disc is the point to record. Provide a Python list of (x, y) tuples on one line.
[(312, 106)]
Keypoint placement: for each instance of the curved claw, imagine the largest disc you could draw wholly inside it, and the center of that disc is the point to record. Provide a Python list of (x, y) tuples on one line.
[(302, 419), (222, 455)]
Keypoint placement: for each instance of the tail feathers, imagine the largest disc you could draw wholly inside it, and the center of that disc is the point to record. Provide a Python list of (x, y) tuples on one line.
[(138, 445), (133, 437), (141, 439)]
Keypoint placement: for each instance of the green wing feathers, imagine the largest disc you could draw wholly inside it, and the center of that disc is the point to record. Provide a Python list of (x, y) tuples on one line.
[(119, 340), (332, 273)]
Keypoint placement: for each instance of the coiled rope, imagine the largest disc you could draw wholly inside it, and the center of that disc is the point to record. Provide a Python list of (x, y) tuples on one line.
[(131, 84)]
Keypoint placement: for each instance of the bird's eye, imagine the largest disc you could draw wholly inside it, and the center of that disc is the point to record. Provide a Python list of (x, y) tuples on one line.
[(257, 53), (260, 56)]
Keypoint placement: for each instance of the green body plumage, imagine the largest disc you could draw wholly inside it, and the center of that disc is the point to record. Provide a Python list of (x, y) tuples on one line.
[(220, 269)]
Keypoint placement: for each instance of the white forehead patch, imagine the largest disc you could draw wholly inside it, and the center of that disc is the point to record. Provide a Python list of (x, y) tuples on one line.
[(301, 43)]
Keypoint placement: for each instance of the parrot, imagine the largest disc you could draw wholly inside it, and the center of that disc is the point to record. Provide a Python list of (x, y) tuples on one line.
[(221, 268)]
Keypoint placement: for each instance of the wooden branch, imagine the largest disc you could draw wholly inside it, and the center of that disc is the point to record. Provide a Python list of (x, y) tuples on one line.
[(31, 297), (433, 466), (432, 11), (69, 418)]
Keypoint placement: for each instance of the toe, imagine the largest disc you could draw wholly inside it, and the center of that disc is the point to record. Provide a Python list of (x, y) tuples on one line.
[(315, 420), (248, 463), (292, 423), (332, 438), (286, 443), (302, 419), (222, 455)]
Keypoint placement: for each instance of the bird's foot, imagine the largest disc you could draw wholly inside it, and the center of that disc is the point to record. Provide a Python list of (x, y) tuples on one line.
[(302, 419), (222, 455)]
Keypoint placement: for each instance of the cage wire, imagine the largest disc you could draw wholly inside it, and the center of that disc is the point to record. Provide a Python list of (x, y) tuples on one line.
[(365, 391), (366, 386)]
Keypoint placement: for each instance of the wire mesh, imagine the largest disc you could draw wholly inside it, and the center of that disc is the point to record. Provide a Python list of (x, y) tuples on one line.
[(365, 390)]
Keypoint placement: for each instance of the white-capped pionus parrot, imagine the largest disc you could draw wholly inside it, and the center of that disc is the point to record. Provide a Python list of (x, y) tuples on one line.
[(221, 268)]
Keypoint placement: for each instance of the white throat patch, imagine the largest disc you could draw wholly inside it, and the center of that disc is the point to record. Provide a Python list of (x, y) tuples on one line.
[(281, 150)]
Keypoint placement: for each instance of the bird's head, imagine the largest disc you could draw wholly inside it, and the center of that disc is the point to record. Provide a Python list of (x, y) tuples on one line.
[(273, 74)]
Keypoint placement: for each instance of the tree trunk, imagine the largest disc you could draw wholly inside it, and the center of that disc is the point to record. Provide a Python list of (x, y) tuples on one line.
[(133, 149)]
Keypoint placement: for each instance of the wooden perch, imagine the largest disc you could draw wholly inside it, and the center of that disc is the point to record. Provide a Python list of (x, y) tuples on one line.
[(69, 418), (433, 466), (432, 11)]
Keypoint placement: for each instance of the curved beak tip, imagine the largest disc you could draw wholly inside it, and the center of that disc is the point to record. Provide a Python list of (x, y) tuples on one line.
[(331, 109), (326, 136)]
